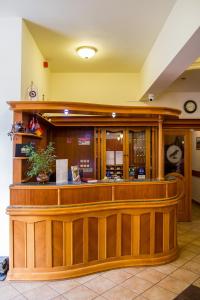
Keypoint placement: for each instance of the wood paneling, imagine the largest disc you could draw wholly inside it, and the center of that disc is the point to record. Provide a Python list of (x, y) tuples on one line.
[(67, 145), (184, 180), (41, 197), (126, 235), (33, 196), (111, 236), (195, 173), (57, 243), (172, 189), (135, 192), (19, 244), (145, 234), (171, 229), (78, 241), (52, 242), (93, 239), (158, 232), (95, 192), (40, 244), (86, 195), (61, 243)]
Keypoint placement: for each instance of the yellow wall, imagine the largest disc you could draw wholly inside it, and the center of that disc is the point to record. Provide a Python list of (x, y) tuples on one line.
[(108, 88), (32, 66)]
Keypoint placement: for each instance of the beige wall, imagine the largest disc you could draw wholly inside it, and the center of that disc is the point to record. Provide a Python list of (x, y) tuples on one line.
[(10, 82), (176, 100), (32, 66), (108, 88)]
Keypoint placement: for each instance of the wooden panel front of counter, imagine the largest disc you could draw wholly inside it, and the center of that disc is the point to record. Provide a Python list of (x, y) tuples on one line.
[(55, 242)]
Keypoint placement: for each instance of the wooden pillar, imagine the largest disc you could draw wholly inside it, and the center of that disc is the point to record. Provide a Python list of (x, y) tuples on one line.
[(160, 149)]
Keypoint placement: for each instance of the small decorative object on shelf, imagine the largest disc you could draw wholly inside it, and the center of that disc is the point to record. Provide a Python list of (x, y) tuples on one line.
[(21, 149), (34, 126), (16, 127), (32, 92), (141, 173), (41, 162), (132, 173), (75, 174)]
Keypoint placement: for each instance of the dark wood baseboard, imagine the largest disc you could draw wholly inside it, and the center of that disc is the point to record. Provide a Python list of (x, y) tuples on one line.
[(195, 173)]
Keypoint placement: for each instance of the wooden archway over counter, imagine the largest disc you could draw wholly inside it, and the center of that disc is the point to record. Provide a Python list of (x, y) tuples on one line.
[(89, 114)]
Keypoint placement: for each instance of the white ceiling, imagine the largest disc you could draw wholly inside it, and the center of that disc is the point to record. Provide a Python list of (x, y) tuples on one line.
[(123, 31)]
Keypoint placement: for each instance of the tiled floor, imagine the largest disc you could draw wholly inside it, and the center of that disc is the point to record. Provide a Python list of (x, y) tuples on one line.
[(149, 283)]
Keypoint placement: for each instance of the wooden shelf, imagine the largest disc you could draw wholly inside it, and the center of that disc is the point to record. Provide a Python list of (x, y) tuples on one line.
[(20, 157), (28, 135)]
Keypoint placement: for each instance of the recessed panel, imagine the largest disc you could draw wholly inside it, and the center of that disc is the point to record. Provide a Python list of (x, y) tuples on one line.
[(145, 234), (126, 235), (92, 239)]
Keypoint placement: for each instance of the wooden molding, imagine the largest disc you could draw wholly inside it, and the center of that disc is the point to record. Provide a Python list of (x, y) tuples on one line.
[(195, 173)]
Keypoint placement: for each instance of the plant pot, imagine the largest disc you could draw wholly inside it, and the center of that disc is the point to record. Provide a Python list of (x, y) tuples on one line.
[(42, 178)]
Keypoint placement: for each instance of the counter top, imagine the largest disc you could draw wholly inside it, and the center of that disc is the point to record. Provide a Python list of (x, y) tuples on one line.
[(108, 181)]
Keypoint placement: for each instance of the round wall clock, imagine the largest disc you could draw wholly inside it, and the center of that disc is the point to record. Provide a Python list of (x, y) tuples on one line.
[(174, 154), (190, 106)]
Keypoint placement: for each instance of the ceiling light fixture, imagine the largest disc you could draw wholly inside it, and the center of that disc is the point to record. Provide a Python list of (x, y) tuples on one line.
[(66, 112), (86, 52), (113, 114)]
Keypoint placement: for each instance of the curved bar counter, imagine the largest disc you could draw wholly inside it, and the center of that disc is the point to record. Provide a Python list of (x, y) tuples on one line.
[(70, 230)]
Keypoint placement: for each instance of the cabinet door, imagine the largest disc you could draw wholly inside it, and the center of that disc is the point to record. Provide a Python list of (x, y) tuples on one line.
[(177, 162), (113, 153), (138, 152)]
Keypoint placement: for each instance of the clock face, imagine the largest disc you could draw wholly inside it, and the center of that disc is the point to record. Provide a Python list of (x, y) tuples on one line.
[(190, 106), (174, 154)]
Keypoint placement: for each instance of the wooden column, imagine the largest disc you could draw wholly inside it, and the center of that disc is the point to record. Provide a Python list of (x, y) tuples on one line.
[(160, 149)]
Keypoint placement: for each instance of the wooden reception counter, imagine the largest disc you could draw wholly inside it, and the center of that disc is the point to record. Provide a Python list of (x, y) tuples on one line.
[(63, 231)]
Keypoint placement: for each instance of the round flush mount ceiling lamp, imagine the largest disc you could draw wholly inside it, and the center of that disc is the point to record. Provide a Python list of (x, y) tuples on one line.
[(86, 52)]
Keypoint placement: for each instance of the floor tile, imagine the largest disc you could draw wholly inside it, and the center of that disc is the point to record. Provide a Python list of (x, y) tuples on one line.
[(193, 248), (59, 297), (184, 275), (40, 293), (86, 278), (8, 292), (100, 298), (119, 293), (100, 284), (196, 259), (151, 275), (140, 297), (23, 286), (80, 293), (179, 262), (117, 276), (63, 286), (137, 284), (186, 254), (173, 285), (133, 270), (192, 266), (158, 293), (20, 297), (166, 269), (197, 242), (197, 282), (4, 283)]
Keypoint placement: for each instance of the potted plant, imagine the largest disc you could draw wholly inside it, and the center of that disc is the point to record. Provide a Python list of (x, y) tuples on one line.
[(41, 162)]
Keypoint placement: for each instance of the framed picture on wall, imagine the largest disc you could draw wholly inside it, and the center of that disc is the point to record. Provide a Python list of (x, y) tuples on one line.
[(198, 143)]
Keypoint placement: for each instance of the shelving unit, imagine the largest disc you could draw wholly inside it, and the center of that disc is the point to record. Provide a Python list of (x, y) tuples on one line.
[(20, 163), (115, 170)]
